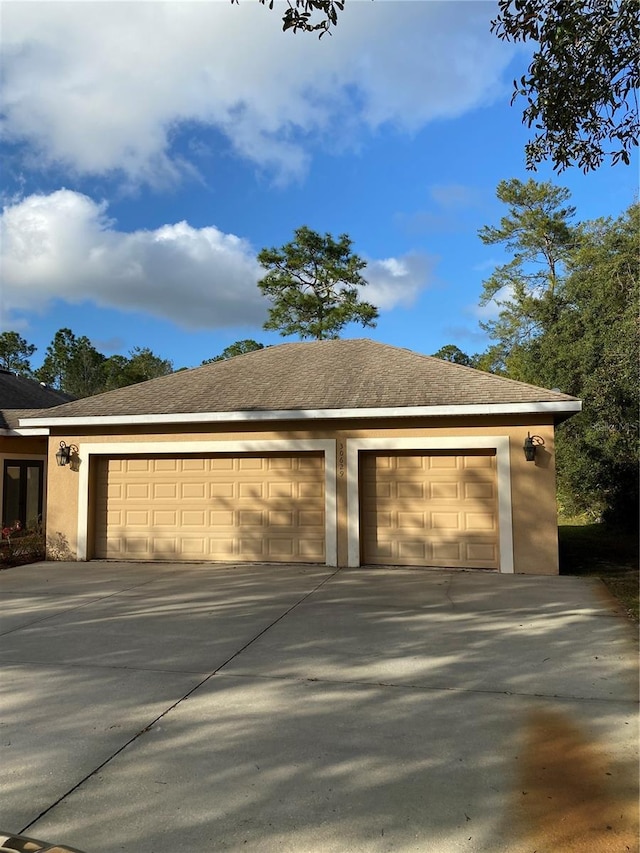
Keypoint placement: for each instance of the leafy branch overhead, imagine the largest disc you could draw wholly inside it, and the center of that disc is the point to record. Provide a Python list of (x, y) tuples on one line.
[(582, 84), (581, 87), (311, 16), (313, 283)]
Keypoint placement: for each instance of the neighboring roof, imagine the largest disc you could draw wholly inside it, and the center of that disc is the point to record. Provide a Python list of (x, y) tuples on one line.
[(325, 378), (19, 395)]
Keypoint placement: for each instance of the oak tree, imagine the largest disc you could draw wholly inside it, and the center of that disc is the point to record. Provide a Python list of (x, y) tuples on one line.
[(581, 87)]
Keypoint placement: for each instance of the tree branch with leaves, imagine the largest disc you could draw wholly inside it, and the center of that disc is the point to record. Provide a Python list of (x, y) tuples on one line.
[(581, 86)]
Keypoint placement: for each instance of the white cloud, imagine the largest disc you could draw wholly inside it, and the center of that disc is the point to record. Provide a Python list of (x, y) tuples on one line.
[(63, 246), (491, 310), (98, 87), (396, 281)]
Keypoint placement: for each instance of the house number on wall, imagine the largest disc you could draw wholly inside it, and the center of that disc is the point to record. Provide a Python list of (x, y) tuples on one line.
[(341, 459)]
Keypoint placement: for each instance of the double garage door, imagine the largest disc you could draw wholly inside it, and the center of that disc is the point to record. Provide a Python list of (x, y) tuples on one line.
[(223, 507), (416, 508)]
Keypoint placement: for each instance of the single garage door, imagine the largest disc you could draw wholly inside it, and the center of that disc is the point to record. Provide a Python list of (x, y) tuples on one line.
[(222, 507), (429, 509)]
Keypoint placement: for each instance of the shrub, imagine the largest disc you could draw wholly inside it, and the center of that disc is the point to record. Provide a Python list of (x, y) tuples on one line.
[(18, 546)]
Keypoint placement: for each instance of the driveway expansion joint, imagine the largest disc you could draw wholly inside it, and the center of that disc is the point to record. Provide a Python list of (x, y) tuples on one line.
[(173, 706), (633, 703)]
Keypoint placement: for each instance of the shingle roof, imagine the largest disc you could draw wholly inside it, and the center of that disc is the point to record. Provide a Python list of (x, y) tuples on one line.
[(19, 395), (342, 374)]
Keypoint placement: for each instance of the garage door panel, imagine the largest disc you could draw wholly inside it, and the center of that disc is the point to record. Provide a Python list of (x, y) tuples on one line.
[(421, 508), (412, 550), (136, 518), (436, 463), (136, 491), (310, 549), (479, 490), (216, 549), (478, 460), (251, 518), (165, 518), (221, 490), (280, 518), (411, 520), (312, 519), (250, 491), (445, 521), (218, 507), (193, 490), (221, 518), (193, 465), (444, 491), (165, 465), (164, 491), (446, 552), (477, 551), (409, 490), (479, 521)]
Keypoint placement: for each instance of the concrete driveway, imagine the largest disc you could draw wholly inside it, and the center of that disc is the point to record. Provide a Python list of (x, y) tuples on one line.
[(193, 708)]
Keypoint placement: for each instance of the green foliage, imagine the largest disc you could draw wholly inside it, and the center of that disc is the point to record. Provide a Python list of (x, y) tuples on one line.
[(237, 348), (581, 335), (309, 16), (450, 352), (313, 283), (15, 353), (492, 360), (141, 365), (581, 85), (537, 231), (595, 351), (72, 365), (606, 552)]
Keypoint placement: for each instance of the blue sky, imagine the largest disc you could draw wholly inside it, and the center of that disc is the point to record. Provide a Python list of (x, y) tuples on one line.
[(152, 149)]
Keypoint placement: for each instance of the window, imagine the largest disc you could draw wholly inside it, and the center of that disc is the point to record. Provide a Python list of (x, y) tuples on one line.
[(22, 492)]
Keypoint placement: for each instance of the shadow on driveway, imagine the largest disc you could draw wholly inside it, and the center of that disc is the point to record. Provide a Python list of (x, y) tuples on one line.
[(155, 708)]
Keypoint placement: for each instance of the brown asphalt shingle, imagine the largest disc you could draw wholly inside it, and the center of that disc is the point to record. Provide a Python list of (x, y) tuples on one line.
[(343, 374), (19, 396)]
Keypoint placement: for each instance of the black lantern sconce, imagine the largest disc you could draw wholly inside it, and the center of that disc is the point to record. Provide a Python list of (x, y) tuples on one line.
[(531, 444), (63, 456)]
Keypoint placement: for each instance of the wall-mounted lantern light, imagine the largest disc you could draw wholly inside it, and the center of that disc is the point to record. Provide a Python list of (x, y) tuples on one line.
[(531, 444), (63, 456)]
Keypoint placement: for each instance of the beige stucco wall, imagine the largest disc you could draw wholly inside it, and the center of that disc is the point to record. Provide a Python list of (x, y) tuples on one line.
[(532, 485)]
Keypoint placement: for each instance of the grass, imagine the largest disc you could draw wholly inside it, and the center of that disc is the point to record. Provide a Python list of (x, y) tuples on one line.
[(595, 550)]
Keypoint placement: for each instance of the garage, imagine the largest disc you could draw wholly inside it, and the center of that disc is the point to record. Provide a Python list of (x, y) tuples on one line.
[(264, 507), (429, 509), (341, 452)]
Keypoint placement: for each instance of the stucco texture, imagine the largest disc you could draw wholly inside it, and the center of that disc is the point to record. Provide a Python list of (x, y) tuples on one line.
[(532, 484)]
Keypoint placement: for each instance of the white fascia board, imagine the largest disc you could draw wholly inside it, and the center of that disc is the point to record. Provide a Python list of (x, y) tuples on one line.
[(550, 408), (13, 433)]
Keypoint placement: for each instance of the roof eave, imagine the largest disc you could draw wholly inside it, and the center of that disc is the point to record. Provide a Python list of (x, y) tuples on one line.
[(560, 410), (22, 432)]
